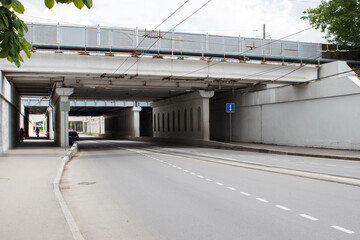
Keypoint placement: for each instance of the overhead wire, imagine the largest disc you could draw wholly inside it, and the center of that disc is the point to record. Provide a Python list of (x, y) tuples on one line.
[(192, 14), (144, 37)]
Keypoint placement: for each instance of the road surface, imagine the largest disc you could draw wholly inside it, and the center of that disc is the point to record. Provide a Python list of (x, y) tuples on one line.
[(133, 190)]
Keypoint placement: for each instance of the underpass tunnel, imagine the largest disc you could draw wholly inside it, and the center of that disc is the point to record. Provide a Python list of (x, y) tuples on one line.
[(111, 121)]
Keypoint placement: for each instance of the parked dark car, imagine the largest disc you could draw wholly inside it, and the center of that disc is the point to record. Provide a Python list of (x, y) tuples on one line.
[(73, 136)]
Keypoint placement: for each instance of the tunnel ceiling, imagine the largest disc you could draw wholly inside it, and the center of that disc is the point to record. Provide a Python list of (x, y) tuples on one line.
[(103, 87)]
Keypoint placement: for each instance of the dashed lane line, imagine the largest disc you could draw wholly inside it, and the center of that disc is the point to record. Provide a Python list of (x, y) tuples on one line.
[(259, 199), (283, 208), (342, 229), (308, 217), (246, 194)]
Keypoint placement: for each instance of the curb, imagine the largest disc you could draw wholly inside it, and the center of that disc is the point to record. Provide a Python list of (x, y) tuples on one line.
[(239, 147), (65, 209)]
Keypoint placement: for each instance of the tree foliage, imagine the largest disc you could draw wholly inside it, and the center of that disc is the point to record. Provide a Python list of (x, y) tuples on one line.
[(12, 29), (340, 19)]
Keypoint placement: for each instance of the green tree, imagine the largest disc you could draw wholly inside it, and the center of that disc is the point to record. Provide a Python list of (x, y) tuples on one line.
[(340, 19), (12, 29)]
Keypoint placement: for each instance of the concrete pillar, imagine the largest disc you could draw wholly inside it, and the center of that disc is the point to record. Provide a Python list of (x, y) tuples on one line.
[(26, 122), (50, 124), (62, 106), (136, 123)]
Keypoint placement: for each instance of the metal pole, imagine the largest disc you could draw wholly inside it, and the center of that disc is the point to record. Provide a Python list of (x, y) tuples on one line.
[(64, 130), (230, 127)]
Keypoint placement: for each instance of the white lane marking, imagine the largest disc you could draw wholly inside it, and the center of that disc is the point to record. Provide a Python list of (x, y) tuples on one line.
[(262, 200), (286, 160), (246, 194), (317, 164), (192, 173), (308, 217), (179, 168), (220, 184), (299, 162), (342, 229), (350, 167), (283, 208), (186, 170), (231, 188), (209, 180), (199, 176), (331, 165), (174, 166)]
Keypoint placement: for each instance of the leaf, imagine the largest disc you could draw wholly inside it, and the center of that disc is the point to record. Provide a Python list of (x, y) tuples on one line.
[(49, 4), (18, 7), (78, 3), (88, 3), (6, 2)]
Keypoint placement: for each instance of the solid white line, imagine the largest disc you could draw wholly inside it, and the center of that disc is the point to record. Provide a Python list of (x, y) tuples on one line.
[(308, 217), (220, 184), (199, 176), (209, 180), (231, 188), (342, 229), (246, 194), (283, 208), (262, 200)]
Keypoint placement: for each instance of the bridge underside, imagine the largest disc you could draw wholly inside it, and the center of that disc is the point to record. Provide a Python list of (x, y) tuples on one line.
[(181, 89)]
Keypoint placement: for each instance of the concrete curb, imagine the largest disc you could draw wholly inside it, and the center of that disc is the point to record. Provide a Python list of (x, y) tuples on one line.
[(239, 147), (65, 209)]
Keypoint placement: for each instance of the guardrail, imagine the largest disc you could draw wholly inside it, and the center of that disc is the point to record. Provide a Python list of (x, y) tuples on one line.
[(127, 38)]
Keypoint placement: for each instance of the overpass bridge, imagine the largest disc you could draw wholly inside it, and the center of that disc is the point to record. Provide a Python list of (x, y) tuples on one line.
[(187, 77)]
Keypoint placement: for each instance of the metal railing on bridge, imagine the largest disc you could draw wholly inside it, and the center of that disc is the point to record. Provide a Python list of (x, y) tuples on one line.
[(126, 38)]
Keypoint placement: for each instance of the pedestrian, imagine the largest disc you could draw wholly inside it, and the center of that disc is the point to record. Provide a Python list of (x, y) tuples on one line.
[(22, 134), (37, 132)]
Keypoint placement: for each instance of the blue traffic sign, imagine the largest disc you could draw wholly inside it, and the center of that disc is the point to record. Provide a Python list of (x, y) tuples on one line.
[(230, 107)]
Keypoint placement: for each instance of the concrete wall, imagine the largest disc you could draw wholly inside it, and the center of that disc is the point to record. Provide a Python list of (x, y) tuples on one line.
[(183, 117), (146, 122), (121, 125), (10, 106), (322, 113)]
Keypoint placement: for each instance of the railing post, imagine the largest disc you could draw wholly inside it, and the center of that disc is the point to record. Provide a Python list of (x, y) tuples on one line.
[(58, 37), (98, 36), (136, 37), (172, 42), (207, 42)]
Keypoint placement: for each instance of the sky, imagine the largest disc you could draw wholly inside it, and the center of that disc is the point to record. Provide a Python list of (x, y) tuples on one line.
[(220, 17)]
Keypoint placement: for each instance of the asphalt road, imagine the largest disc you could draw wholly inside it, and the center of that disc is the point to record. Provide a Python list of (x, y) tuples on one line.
[(131, 190)]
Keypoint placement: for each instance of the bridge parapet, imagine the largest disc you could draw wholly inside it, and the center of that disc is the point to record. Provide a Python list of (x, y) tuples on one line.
[(128, 38)]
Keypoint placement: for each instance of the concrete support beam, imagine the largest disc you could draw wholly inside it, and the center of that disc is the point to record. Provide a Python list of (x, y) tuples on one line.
[(50, 125), (183, 117), (62, 106), (136, 119)]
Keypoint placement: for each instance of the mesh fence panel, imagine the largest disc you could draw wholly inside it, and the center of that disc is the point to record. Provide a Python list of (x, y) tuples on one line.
[(44, 34), (74, 36)]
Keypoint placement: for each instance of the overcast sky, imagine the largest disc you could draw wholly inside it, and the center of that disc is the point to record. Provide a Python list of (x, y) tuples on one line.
[(222, 17)]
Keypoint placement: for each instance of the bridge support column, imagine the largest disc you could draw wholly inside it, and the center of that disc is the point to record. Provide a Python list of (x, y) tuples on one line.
[(61, 114), (50, 123), (136, 123), (183, 117)]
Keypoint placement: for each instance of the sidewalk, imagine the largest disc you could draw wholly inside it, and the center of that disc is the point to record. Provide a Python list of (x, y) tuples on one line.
[(28, 207), (297, 151)]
